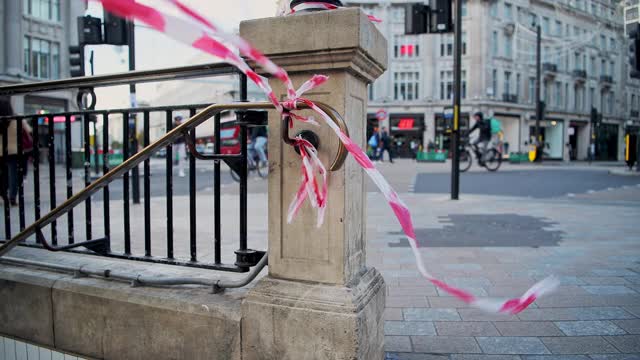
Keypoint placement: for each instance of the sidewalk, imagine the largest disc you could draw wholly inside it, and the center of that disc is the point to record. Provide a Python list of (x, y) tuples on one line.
[(498, 247)]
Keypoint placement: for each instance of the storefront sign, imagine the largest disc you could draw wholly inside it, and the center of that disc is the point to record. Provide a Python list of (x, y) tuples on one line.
[(381, 114)]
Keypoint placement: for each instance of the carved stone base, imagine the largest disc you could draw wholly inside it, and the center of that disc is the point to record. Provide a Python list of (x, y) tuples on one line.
[(294, 320)]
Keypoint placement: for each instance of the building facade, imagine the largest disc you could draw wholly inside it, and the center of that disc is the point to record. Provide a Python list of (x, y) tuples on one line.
[(36, 35), (584, 63)]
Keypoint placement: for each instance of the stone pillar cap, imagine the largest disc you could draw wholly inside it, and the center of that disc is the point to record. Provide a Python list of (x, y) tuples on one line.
[(324, 40)]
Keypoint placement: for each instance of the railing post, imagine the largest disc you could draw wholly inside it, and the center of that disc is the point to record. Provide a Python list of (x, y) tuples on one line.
[(319, 299)]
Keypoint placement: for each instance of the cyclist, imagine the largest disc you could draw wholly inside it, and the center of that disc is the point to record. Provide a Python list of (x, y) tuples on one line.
[(484, 138)]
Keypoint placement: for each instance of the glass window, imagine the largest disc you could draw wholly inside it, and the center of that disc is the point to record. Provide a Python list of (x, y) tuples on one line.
[(518, 80), (406, 85), (494, 84), (508, 11), (493, 9), (26, 43), (464, 7), (55, 10), (494, 43), (45, 9), (508, 46), (558, 28), (532, 90), (507, 83), (55, 61), (545, 26)]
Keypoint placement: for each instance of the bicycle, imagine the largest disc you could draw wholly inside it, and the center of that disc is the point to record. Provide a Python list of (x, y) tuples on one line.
[(492, 157), (253, 164)]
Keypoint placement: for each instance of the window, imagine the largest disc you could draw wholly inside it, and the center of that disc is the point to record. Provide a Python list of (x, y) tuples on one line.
[(406, 85), (612, 44), (446, 85), (405, 46), (508, 11), (464, 8), (494, 43), (558, 95), (507, 83), (42, 9), (464, 43), (446, 45), (370, 91), (612, 67), (518, 85), (464, 84), (611, 102), (603, 43), (546, 30), (592, 68), (566, 96), (494, 80), (592, 97), (493, 9), (42, 58), (532, 90), (558, 31), (603, 67), (577, 61), (508, 46), (576, 103), (397, 14)]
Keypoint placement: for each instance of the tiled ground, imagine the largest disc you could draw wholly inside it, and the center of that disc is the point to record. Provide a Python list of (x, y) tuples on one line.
[(595, 314)]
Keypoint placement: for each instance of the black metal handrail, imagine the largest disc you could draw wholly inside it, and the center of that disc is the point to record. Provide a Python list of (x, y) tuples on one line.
[(125, 78)]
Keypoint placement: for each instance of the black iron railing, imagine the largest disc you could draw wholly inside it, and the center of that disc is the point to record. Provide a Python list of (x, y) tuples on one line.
[(103, 244)]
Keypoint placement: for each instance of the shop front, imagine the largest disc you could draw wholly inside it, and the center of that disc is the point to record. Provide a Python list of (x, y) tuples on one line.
[(512, 140), (407, 134), (552, 133), (579, 133), (606, 139)]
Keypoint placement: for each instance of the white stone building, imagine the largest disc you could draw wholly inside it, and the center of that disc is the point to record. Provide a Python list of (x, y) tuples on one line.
[(34, 43), (585, 65)]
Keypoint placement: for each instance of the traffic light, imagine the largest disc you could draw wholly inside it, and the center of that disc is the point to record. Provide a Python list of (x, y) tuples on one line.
[(417, 18), (634, 50), (443, 16), (115, 30), (89, 30), (424, 19), (76, 61)]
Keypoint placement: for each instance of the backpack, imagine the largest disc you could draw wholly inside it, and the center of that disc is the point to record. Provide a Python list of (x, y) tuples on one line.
[(373, 141), (496, 126)]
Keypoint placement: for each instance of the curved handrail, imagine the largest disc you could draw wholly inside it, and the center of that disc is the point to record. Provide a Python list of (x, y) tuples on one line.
[(148, 151)]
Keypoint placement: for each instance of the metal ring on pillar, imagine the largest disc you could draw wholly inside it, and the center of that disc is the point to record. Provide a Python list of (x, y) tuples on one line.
[(341, 156), (89, 93)]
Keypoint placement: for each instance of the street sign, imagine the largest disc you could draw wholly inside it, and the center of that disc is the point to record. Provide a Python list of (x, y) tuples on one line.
[(381, 114)]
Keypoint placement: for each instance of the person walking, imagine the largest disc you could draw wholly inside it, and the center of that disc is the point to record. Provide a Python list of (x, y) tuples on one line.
[(259, 140), (14, 167), (180, 148), (385, 145)]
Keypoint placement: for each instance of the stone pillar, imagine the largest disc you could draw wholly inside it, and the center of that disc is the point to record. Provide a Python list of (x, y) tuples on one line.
[(319, 301)]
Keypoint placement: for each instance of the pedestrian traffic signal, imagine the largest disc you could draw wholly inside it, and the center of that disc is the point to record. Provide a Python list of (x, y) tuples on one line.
[(115, 30), (76, 61), (89, 30), (425, 19), (634, 50)]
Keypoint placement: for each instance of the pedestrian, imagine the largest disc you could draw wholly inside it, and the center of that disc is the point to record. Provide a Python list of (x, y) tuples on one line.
[(179, 147), (259, 140), (385, 145), (14, 167), (373, 143)]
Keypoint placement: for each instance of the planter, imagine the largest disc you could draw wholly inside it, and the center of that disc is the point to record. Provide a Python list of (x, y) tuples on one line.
[(432, 156)]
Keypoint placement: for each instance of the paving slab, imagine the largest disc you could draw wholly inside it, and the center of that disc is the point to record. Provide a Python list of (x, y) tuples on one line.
[(528, 328), (466, 328), (585, 328), (578, 345), (625, 343), (630, 326), (512, 345), (409, 328), (420, 314), (397, 343), (445, 344), (583, 313)]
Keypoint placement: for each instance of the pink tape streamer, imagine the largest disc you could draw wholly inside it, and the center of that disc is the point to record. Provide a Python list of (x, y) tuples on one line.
[(319, 5), (202, 34)]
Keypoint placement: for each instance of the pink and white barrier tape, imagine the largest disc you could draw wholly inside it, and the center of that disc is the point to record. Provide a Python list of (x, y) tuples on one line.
[(319, 5), (199, 32)]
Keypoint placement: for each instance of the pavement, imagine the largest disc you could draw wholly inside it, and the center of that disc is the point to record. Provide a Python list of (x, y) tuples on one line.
[(494, 245)]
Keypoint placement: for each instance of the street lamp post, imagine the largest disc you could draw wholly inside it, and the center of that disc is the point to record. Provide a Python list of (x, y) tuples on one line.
[(455, 134)]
